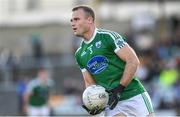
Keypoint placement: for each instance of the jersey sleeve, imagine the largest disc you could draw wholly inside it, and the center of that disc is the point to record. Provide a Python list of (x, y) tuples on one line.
[(116, 41), (30, 86), (78, 62)]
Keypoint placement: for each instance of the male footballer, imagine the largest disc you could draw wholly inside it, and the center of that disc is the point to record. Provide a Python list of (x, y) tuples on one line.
[(106, 59)]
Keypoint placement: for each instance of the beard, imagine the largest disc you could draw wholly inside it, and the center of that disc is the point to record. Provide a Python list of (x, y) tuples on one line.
[(81, 32), (78, 35)]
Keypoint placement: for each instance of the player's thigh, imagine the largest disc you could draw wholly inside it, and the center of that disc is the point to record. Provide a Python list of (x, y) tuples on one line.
[(45, 111), (122, 115), (119, 115), (139, 105), (148, 104), (32, 111), (150, 115)]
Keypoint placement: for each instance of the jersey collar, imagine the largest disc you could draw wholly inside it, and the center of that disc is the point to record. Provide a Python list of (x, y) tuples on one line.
[(92, 38)]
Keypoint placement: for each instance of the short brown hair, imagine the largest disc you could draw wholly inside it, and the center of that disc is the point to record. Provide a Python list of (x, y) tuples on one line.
[(88, 10)]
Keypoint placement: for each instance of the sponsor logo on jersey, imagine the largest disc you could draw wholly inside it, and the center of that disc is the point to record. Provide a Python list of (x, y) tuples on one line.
[(98, 44), (97, 64)]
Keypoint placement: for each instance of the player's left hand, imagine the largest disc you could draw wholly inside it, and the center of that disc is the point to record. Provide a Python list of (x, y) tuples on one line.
[(94, 111), (114, 96)]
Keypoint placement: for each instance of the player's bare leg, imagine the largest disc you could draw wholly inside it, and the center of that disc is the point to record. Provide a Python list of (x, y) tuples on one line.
[(120, 115), (150, 115)]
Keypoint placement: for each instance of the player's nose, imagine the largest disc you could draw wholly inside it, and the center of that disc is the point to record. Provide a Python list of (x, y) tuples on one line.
[(72, 23)]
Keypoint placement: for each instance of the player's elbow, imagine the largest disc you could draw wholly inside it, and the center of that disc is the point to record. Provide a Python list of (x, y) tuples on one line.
[(137, 62), (134, 62)]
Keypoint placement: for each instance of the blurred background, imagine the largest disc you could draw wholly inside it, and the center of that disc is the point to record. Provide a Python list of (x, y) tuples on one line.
[(37, 32)]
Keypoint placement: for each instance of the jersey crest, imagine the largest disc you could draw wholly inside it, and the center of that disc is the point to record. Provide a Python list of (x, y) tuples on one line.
[(98, 44), (119, 42)]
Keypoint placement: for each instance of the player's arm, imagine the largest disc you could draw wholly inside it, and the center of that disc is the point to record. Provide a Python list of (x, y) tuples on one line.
[(88, 79), (128, 55), (26, 97)]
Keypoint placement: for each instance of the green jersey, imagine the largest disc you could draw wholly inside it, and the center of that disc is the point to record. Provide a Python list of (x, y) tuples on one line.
[(39, 92), (98, 57)]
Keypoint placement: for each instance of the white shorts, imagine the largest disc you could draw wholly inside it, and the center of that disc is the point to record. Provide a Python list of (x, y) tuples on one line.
[(139, 105), (38, 111)]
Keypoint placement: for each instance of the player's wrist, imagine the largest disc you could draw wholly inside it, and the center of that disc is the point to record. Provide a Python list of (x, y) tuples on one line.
[(94, 111), (118, 89)]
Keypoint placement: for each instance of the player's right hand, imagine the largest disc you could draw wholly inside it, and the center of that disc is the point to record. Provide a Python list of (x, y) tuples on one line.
[(114, 96), (113, 101), (94, 111), (24, 109)]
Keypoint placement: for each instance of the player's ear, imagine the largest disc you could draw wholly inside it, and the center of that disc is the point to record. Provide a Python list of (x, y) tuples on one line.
[(90, 19)]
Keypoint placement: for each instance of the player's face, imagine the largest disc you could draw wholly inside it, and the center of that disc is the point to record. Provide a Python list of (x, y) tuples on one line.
[(79, 23), (43, 75)]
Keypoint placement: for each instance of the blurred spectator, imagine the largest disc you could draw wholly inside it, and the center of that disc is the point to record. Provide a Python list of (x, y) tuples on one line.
[(167, 78), (144, 41), (143, 70), (21, 88), (37, 95), (4, 57), (164, 48), (169, 75), (37, 48), (174, 23), (176, 37), (143, 21), (177, 96), (7, 58), (8, 64)]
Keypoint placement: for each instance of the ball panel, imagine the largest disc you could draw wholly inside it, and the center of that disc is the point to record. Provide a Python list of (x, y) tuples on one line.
[(95, 95)]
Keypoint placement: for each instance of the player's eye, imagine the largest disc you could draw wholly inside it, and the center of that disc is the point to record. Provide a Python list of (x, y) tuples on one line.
[(76, 19)]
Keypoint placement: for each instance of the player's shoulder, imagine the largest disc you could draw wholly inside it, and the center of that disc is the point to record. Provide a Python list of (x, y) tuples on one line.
[(103, 31), (110, 33), (33, 83), (78, 50)]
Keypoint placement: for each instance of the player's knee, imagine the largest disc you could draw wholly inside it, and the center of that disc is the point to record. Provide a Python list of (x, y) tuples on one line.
[(120, 115), (150, 115)]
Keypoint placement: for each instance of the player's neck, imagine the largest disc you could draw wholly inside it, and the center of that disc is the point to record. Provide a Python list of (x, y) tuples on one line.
[(89, 34)]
